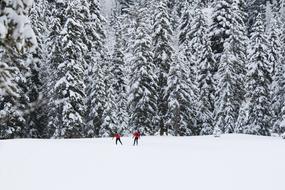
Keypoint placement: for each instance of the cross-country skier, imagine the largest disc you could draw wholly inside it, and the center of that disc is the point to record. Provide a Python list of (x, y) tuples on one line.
[(117, 136), (136, 137)]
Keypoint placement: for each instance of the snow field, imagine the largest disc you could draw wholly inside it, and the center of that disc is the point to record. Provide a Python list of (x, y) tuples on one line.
[(232, 162)]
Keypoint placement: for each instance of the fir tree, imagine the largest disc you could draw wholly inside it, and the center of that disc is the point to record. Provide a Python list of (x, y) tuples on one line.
[(66, 117), (255, 7), (239, 41), (125, 5), (203, 59), (95, 74), (181, 113), (97, 98), (220, 28), (163, 58), (188, 63), (16, 38), (227, 101), (36, 77), (110, 124), (254, 117), (231, 72), (118, 81), (13, 100), (275, 58), (206, 88), (274, 51), (143, 91)]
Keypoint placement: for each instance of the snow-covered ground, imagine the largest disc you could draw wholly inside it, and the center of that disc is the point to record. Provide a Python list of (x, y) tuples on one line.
[(232, 162)]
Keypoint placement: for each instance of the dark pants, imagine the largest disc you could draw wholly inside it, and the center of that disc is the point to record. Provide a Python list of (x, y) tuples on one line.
[(119, 141), (136, 141)]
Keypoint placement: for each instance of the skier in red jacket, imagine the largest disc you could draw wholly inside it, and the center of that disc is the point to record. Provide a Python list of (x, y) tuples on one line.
[(136, 137), (117, 136)]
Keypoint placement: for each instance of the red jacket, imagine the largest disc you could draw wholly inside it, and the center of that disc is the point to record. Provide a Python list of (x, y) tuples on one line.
[(117, 136), (137, 135)]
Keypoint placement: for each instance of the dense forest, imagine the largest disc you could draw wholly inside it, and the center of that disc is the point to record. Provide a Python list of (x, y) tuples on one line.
[(84, 68)]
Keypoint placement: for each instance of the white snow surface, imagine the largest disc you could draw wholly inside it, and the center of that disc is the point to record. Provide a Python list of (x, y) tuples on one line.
[(231, 162)]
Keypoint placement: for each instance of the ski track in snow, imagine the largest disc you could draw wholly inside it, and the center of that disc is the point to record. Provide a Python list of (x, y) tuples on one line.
[(232, 162)]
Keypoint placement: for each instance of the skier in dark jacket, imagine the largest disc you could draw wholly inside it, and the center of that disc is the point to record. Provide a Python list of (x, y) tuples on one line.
[(136, 137), (117, 136)]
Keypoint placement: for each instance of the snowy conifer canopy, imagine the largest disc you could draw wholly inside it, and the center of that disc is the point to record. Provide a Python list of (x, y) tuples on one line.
[(92, 68), (15, 27)]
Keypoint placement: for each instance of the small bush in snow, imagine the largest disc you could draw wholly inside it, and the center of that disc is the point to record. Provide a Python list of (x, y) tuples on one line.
[(217, 132)]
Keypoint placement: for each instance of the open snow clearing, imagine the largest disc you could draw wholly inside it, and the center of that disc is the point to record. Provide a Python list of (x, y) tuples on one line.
[(231, 162)]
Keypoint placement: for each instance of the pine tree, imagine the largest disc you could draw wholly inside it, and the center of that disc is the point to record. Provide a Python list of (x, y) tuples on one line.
[(274, 51), (16, 38), (254, 8), (125, 5), (231, 73), (186, 53), (275, 58), (94, 27), (254, 117), (220, 27), (282, 15), (239, 42), (13, 100), (203, 59), (66, 117), (96, 60), (96, 102), (143, 91), (163, 58), (118, 81), (206, 88), (185, 23), (110, 124), (181, 116), (34, 87), (227, 101), (186, 35)]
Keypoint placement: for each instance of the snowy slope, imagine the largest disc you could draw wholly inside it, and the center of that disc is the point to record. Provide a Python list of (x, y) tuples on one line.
[(159, 163)]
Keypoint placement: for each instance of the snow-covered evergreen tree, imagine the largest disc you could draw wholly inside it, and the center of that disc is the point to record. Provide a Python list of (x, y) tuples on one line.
[(16, 38), (274, 40), (239, 42), (95, 75), (220, 27), (67, 109), (187, 37), (254, 8), (231, 73), (110, 124), (227, 101), (181, 107), (206, 88), (163, 58), (36, 76), (185, 23), (118, 81), (125, 5), (254, 117), (143, 90), (278, 84), (13, 100), (97, 97), (185, 59), (204, 61)]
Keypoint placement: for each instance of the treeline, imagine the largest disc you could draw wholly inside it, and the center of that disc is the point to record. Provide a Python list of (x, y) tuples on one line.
[(191, 67)]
